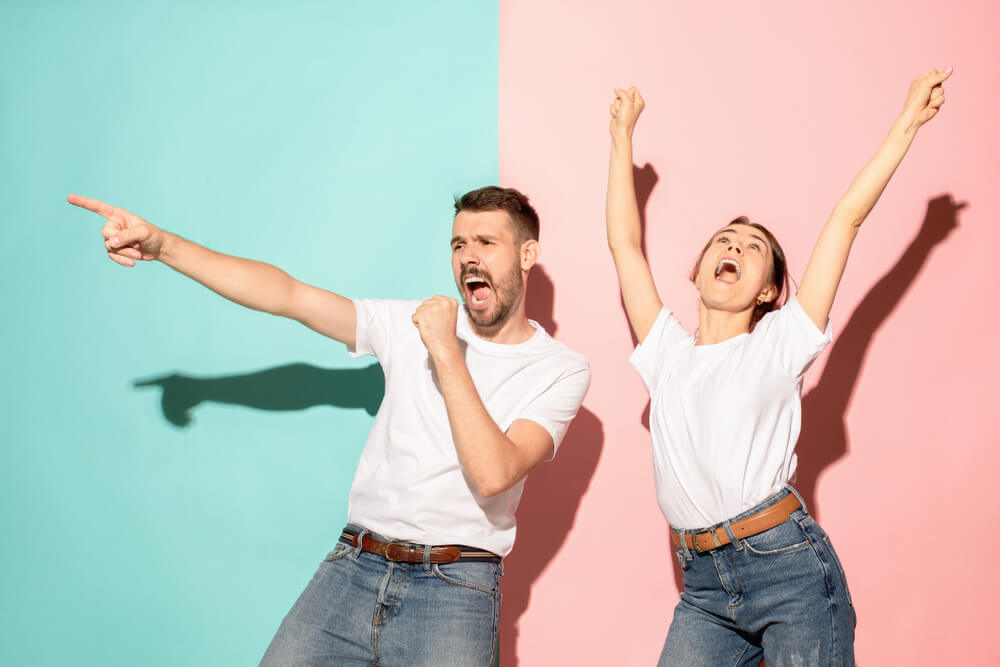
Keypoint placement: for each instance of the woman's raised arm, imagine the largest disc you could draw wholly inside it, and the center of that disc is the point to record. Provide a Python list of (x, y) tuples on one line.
[(829, 256), (642, 302)]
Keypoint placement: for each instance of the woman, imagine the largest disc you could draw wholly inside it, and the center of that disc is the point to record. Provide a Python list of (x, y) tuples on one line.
[(761, 578)]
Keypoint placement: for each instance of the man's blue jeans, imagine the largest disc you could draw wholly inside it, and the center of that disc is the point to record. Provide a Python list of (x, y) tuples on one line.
[(780, 595), (360, 609)]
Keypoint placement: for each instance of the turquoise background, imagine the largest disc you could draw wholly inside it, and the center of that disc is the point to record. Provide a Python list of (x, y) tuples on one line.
[(326, 138)]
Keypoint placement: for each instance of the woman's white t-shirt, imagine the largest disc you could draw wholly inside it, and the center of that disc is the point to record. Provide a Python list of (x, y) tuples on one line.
[(725, 418)]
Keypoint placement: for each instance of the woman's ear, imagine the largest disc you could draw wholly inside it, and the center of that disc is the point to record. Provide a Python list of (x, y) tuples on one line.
[(769, 294)]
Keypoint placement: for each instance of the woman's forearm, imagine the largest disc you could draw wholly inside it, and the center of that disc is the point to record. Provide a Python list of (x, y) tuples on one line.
[(624, 228), (866, 188)]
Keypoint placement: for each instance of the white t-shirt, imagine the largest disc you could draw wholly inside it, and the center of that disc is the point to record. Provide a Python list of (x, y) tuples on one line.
[(725, 417), (409, 484)]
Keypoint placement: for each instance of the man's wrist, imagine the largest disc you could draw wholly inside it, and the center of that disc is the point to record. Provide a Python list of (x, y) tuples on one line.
[(168, 247), (446, 355)]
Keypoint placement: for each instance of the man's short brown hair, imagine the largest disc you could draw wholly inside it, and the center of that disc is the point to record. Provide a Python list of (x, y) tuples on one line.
[(493, 198)]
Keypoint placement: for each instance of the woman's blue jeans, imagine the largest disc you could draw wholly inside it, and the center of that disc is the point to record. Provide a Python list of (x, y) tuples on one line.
[(360, 609), (779, 595)]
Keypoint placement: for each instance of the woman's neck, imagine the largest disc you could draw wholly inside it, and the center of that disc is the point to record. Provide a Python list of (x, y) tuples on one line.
[(716, 326)]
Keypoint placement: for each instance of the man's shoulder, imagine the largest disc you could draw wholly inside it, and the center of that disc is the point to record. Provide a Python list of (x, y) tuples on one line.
[(572, 360)]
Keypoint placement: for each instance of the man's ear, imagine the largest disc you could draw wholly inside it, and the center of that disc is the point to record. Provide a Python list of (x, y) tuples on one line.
[(530, 250)]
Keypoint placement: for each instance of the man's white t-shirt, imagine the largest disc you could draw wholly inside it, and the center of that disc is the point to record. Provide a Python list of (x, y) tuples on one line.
[(725, 418), (409, 484)]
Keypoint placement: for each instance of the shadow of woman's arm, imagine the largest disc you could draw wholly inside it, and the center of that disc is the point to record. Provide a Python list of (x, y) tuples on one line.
[(823, 439)]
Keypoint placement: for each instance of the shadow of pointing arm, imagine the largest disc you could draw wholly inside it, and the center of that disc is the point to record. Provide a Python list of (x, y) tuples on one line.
[(293, 387)]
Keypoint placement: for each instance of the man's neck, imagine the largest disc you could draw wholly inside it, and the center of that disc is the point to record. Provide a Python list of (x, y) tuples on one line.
[(513, 330)]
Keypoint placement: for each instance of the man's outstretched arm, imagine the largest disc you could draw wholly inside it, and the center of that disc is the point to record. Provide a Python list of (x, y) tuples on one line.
[(129, 239)]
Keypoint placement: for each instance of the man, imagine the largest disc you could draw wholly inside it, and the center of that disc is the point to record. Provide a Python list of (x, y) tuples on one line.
[(473, 401)]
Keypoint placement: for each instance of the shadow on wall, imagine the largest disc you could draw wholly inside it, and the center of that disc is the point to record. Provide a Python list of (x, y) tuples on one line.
[(824, 438), (284, 388), (552, 493), (551, 496)]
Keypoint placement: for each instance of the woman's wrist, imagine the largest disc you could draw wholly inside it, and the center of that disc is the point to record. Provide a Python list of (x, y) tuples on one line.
[(621, 140)]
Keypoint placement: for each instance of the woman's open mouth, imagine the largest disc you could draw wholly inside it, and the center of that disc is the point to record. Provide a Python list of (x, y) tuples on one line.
[(728, 271)]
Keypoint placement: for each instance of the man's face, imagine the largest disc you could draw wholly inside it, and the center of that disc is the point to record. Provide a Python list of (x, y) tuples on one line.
[(485, 258)]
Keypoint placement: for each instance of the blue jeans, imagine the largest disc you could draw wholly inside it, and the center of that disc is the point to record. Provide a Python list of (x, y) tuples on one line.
[(780, 595), (360, 609)]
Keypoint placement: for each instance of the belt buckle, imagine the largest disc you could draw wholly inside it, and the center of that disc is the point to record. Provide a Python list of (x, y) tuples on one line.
[(386, 552), (716, 543)]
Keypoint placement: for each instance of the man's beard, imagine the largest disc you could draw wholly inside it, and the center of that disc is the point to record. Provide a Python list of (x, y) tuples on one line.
[(506, 292)]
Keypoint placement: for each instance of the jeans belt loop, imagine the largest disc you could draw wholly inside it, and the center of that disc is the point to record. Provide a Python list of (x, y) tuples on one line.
[(795, 493), (684, 545), (732, 536), (427, 558), (359, 541)]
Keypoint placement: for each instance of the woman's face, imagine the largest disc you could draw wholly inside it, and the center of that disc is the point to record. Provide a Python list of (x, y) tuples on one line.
[(735, 269)]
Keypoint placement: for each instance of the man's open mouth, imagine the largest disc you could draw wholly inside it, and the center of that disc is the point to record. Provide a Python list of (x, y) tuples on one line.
[(479, 290)]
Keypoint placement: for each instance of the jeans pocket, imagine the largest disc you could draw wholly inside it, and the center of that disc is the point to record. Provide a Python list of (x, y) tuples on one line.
[(338, 552), (477, 576), (785, 538)]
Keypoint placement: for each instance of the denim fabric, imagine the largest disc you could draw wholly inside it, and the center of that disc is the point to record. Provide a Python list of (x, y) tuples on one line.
[(360, 609), (780, 595)]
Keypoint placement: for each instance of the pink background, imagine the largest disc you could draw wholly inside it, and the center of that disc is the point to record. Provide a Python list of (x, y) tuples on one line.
[(767, 109)]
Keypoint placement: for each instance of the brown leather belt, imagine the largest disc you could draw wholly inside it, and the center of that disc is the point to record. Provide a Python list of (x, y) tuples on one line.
[(769, 517), (400, 552)]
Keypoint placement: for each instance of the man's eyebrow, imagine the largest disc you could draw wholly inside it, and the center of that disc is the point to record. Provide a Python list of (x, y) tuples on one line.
[(477, 237)]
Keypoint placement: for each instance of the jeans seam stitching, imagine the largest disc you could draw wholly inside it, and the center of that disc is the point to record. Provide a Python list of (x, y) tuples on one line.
[(457, 582), (840, 569), (742, 653), (777, 552)]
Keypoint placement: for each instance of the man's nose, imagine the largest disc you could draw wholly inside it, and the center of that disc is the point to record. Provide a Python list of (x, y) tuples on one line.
[(735, 248)]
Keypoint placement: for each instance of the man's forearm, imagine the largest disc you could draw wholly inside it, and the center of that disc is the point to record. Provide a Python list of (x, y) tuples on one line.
[(247, 282), (487, 455)]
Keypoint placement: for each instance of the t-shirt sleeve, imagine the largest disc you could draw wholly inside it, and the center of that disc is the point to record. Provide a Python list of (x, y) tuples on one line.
[(792, 338), (648, 356), (556, 407), (379, 321)]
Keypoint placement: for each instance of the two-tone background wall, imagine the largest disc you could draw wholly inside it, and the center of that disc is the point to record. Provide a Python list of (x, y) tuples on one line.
[(173, 467)]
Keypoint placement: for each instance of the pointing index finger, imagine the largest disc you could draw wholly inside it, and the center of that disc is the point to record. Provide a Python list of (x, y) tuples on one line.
[(97, 206)]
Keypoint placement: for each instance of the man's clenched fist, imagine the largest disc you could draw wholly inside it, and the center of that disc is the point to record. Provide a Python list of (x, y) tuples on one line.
[(436, 319)]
